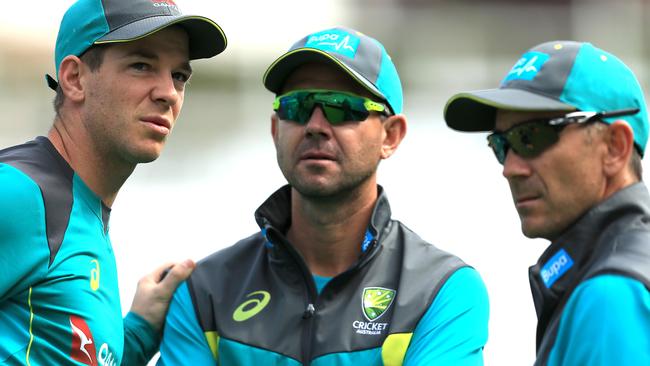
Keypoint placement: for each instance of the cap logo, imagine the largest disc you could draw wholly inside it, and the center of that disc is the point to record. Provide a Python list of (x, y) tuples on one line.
[(527, 67), (165, 3), (334, 41)]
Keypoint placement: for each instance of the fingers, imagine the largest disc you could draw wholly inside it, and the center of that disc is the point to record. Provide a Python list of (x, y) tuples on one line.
[(160, 272), (172, 276), (155, 290)]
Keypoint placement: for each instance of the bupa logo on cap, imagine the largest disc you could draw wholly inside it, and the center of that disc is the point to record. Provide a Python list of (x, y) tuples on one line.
[(336, 41), (165, 3), (527, 67), (556, 267)]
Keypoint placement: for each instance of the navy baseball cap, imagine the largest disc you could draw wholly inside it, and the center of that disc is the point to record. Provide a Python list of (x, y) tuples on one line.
[(362, 57), (556, 76), (93, 22)]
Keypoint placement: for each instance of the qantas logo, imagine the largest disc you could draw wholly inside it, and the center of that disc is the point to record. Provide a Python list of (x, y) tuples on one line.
[(83, 346)]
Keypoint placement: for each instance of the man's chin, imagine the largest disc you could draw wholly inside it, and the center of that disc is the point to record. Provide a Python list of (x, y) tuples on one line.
[(536, 230), (145, 156)]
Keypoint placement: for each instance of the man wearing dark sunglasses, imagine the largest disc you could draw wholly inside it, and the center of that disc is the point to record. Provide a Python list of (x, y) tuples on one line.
[(330, 279), (569, 125)]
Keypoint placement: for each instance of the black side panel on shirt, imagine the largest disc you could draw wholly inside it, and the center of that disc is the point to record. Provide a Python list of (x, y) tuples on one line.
[(40, 161)]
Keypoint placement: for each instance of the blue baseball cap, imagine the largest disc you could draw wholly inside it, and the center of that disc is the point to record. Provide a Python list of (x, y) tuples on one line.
[(93, 22), (362, 57), (556, 76)]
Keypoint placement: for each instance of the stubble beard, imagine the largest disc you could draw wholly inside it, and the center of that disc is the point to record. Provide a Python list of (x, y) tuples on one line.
[(344, 187)]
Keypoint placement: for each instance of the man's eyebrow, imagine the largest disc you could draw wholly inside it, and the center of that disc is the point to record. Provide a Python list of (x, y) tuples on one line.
[(142, 53), (185, 66)]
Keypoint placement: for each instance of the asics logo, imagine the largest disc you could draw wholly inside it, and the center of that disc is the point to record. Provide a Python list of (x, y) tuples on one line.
[(251, 307), (94, 275)]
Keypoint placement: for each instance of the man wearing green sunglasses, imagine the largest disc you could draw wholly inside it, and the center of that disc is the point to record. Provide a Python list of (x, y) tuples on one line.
[(569, 125), (330, 279)]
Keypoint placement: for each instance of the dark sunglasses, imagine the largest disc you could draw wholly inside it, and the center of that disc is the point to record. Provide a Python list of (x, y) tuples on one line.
[(338, 107), (531, 138)]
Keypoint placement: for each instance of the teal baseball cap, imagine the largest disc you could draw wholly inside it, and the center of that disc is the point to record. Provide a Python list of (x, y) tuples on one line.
[(556, 76), (94, 22), (360, 56)]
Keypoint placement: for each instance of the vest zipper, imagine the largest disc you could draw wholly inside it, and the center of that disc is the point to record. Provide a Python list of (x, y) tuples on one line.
[(308, 315), (310, 308)]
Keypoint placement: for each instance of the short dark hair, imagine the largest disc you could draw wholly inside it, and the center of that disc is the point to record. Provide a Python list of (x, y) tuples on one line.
[(635, 164), (93, 57)]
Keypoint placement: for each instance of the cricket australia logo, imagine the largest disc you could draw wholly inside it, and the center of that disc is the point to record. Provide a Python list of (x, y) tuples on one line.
[(375, 301)]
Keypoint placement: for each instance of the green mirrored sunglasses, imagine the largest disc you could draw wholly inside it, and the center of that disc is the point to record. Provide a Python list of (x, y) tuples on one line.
[(337, 106), (530, 138)]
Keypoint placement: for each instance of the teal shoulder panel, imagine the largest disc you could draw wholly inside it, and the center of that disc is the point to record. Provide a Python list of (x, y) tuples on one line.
[(605, 322), (24, 252), (24, 257), (454, 329), (183, 335)]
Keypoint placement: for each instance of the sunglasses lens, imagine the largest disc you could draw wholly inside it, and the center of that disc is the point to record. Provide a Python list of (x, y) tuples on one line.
[(337, 107), (290, 109), (531, 139), (499, 146), (335, 115), (356, 109)]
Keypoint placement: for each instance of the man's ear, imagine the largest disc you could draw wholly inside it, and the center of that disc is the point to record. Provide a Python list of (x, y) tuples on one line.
[(395, 128), (620, 143), (70, 73)]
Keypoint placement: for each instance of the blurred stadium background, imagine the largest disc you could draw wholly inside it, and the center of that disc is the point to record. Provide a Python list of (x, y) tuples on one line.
[(219, 164)]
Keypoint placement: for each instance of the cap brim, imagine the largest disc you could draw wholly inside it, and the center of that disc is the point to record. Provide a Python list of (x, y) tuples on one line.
[(206, 38), (476, 110), (280, 69)]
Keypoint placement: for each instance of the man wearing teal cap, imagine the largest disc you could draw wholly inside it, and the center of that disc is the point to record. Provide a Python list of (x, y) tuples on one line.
[(121, 71), (330, 278), (569, 125)]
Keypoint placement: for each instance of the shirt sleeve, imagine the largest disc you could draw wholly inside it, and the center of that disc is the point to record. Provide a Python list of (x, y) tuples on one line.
[(605, 322), (454, 329), (183, 337), (140, 341), (24, 251)]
